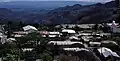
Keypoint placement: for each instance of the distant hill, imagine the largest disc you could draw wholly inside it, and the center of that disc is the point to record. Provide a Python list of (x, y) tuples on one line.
[(72, 13), (95, 13), (35, 5)]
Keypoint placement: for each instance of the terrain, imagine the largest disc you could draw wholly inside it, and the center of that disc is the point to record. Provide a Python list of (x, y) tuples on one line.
[(58, 13)]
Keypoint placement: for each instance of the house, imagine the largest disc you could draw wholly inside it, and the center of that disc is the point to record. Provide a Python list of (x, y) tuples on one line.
[(84, 26), (75, 49), (71, 26), (66, 44), (20, 32), (54, 34), (3, 39), (63, 25), (110, 44), (105, 34), (17, 34), (27, 49), (114, 27), (63, 42), (86, 39), (11, 39), (106, 53), (84, 34), (67, 32), (2, 28), (44, 33), (70, 31), (50, 34), (94, 44), (29, 29), (74, 38)]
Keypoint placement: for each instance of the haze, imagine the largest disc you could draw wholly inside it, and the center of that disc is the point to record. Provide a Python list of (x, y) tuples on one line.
[(58, 0)]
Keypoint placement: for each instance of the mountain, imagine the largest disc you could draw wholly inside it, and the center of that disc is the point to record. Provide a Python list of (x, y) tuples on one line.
[(5, 12), (72, 13), (95, 13), (35, 5)]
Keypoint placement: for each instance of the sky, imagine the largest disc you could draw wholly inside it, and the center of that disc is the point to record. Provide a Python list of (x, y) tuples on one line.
[(58, 0)]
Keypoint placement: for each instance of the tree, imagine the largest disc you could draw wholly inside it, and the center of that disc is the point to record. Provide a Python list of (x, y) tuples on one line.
[(118, 15), (40, 46), (95, 27), (13, 55), (9, 24), (36, 25), (10, 52), (20, 25)]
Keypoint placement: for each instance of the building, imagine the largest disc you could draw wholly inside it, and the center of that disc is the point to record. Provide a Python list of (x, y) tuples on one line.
[(114, 27), (19, 34), (106, 54), (29, 29), (94, 44), (110, 44), (70, 31), (50, 34), (75, 49), (63, 42)]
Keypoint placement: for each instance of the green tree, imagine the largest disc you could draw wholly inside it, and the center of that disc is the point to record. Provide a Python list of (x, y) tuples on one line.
[(13, 55), (95, 27), (118, 15), (10, 52), (38, 43)]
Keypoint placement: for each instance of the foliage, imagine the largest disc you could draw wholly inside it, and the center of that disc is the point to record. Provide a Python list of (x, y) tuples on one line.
[(118, 16), (40, 46), (46, 57), (12, 54)]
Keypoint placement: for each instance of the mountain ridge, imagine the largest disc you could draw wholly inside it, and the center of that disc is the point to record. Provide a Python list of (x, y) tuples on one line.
[(84, 14), (69, 14)]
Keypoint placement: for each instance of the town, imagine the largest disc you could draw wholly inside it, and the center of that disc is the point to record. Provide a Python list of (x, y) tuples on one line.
[(65, 42)]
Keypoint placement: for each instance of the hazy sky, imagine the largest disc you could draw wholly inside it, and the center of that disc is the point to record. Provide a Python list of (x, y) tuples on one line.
[(58, 0)]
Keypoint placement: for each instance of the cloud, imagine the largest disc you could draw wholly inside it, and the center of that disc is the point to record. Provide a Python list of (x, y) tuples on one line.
[(97, 0), (5, 0), (58, 0)]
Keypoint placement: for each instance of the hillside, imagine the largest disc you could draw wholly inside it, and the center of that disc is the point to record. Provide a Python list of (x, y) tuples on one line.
[(37, 5), (95, 13)]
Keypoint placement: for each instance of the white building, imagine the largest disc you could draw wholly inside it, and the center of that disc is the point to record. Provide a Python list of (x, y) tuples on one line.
[(29, 28), (11, 39), (74, 37), (114, 27), (3, 39), (69, 31), (75, 49), (63, 42), (27, 49), (95, 44), (107, 52)]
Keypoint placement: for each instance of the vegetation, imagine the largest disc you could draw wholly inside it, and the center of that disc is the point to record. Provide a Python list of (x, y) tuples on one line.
[(13, 51)]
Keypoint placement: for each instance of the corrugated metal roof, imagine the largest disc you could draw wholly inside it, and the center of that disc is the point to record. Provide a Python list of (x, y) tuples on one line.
[(28, 27), (68, 30), (75, 49), (63, 42), (107, 52)]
